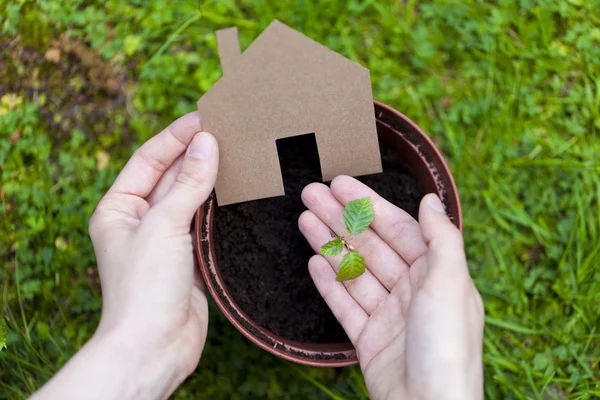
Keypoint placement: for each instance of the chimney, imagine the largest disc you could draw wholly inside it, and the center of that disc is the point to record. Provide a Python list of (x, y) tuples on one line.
[(229, 48)]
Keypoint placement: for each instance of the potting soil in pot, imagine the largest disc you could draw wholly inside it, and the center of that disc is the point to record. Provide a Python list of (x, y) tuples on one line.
[(263, 256)]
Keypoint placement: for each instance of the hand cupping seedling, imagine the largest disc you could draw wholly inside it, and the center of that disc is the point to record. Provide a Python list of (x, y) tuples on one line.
[(358, 215)]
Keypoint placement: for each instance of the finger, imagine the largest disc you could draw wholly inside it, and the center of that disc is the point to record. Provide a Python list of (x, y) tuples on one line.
[(149, 162), (385, 264), (165, 182), (195, 181), (346, 310), (394, 225), (445, 254), (366, 289)]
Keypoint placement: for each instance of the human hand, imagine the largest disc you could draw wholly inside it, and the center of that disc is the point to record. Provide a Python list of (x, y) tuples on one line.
[(414, 316), (141, 236), (155, 313)]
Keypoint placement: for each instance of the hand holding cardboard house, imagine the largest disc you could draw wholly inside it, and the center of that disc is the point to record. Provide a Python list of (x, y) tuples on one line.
[(283, 85)]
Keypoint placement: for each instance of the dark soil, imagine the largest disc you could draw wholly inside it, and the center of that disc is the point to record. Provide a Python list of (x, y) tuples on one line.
[(263, 256)]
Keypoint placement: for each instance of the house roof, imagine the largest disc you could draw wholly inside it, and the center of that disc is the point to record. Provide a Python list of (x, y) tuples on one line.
[(281, 52), (279, 36)]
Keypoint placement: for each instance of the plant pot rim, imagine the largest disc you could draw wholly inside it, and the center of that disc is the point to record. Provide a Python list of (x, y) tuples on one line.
[(315, 354)]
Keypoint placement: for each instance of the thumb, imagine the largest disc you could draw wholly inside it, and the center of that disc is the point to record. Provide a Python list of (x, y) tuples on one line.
[(195, 180), (445, 255)]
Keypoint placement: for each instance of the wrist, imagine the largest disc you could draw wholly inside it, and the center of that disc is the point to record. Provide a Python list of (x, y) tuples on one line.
[(145, 370), (111, 365)]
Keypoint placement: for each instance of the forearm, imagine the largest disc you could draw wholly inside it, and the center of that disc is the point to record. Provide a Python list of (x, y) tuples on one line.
[(107, 367)]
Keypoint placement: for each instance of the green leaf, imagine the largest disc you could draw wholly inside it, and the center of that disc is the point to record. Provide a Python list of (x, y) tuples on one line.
[(2, 334), (358, 215), (332, 248), (352, 266)]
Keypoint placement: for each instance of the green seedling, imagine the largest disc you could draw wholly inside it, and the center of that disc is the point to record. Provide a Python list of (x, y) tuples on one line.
[(358, 215)]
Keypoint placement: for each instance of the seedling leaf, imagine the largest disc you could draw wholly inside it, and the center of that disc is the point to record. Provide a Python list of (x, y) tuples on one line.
[(352, 266), (333, 247), (358, 215)]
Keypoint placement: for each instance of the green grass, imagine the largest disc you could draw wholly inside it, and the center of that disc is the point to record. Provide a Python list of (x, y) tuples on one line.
[(511, 89)]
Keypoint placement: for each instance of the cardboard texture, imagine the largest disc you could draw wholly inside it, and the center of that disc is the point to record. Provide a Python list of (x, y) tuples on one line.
[(283, 85), (229, 48)]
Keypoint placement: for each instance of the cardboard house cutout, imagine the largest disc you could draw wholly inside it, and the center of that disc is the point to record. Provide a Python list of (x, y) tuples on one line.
[(284, 85)]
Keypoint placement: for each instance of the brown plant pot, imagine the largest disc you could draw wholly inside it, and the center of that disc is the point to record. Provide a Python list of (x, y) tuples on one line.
[(426, 163)]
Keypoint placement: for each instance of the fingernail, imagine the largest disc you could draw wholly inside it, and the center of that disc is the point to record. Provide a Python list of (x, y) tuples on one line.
[(202, 146), (435, 204)]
